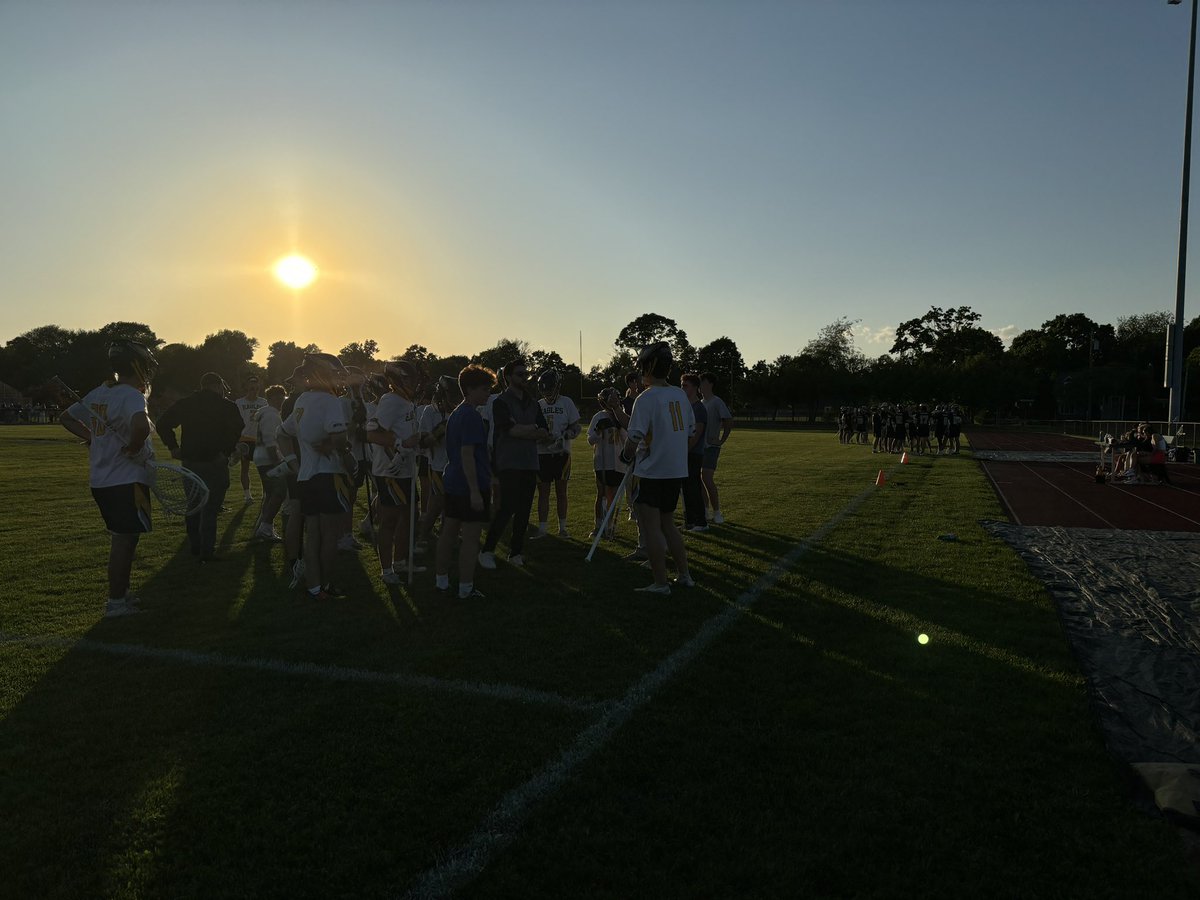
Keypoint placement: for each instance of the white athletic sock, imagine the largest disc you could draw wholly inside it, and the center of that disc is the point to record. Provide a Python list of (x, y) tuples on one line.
[(543, 527), (562, 524), (465, 588), (442, 582)]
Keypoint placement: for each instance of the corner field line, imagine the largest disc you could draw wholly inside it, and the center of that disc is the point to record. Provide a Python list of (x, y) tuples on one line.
[(309, 670), (501, 826)]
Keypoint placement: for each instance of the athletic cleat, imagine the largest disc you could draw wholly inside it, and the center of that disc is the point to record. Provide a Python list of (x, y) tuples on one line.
[(116, 608), (348, 544), (636, 556), (390, 578), (487, 560), (718, 519), (330, 592), (698, 529), (474, 595), (538, 535), (688, 582), (663, 589), (402, 566), (516, 560), (563, 533)]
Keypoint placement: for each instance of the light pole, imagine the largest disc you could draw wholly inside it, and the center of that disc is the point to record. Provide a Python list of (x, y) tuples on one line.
[(1176, 397)]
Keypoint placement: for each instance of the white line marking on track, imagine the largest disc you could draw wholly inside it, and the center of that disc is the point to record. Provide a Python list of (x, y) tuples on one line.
[(1069, 497), (309, 670), (503, 823), (1012, 513)]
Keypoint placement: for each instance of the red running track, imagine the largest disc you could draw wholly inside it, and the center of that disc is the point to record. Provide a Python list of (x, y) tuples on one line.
[(1066, 494)]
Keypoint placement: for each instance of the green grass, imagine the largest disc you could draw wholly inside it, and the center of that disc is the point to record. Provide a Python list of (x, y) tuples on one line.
[(815, 749)]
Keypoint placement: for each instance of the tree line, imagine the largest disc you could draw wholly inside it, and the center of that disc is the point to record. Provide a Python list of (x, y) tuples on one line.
[(1071, 366)]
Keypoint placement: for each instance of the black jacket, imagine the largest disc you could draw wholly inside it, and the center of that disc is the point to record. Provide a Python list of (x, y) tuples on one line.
[(210, 425)]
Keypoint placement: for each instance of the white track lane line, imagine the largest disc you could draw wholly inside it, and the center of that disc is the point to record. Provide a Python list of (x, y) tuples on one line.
[(1012, 513), (503, 823), (1128, 489), (309, 670), (1069, 497)]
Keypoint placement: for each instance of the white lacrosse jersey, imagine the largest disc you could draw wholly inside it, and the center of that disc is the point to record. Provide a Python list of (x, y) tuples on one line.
[(431, 417), (108, 411), (248, 409), (560, 416), (398, 415), (316, 416), (662, 422), (606, 444), (266, 428)]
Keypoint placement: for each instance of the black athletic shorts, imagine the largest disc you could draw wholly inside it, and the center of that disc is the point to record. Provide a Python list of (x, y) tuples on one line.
[(458, 506), (125, 507), (554, 467), (392, 491), (609, 478), (272, 485), (325, 494), (660, 493)]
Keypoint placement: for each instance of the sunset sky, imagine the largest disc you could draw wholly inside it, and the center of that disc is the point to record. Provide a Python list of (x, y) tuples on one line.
[(466, 171)]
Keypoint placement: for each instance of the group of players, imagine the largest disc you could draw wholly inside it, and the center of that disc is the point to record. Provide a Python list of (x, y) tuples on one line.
[(900, 428), (465, 458)]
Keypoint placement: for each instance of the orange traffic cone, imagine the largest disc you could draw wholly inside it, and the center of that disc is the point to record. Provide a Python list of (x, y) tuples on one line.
[(904, 458), (880, 479)]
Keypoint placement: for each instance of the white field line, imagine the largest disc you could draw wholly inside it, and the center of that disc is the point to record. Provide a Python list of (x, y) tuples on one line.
[(503, 823), (308, 670)]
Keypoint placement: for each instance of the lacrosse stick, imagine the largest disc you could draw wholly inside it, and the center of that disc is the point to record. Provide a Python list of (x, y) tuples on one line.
[(609, 513)]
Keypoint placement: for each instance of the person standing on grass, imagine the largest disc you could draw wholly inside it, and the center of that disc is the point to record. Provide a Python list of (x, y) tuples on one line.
[(432, 427), (467, 483), (210, 428), (693, 489), (266, 458), (114, 423), (607, 437), (720, 422), (659, 430), (248, 406), (393, 433), (554, 457), (293, 517), (518, 426), (318, 429)]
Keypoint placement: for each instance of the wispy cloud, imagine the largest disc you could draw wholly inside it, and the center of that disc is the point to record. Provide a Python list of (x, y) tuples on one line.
[(1007, 333), (874, 341)]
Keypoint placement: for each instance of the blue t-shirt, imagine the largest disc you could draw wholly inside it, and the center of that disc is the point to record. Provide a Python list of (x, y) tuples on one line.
[(465, 428), (701, 415)]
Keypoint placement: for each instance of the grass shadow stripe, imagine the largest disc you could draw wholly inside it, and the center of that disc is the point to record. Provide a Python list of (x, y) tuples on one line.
[(502, 824), (310, 670)]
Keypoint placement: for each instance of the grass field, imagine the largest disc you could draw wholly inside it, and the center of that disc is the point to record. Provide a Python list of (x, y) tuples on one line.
[(768, 733)]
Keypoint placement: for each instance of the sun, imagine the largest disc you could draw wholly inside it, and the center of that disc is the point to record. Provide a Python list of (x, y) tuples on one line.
[(295, 271)]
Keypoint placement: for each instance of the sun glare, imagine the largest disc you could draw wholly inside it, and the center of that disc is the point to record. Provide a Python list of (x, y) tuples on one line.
[(296, 271)]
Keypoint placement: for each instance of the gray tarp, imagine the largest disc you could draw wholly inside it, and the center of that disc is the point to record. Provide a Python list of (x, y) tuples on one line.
[(1130, 604)]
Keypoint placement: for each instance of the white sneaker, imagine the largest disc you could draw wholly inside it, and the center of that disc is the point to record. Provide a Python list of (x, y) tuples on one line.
[(115, 608), (664, 589), (297, 573), (487, 560), (516, 560), (718, 519)]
